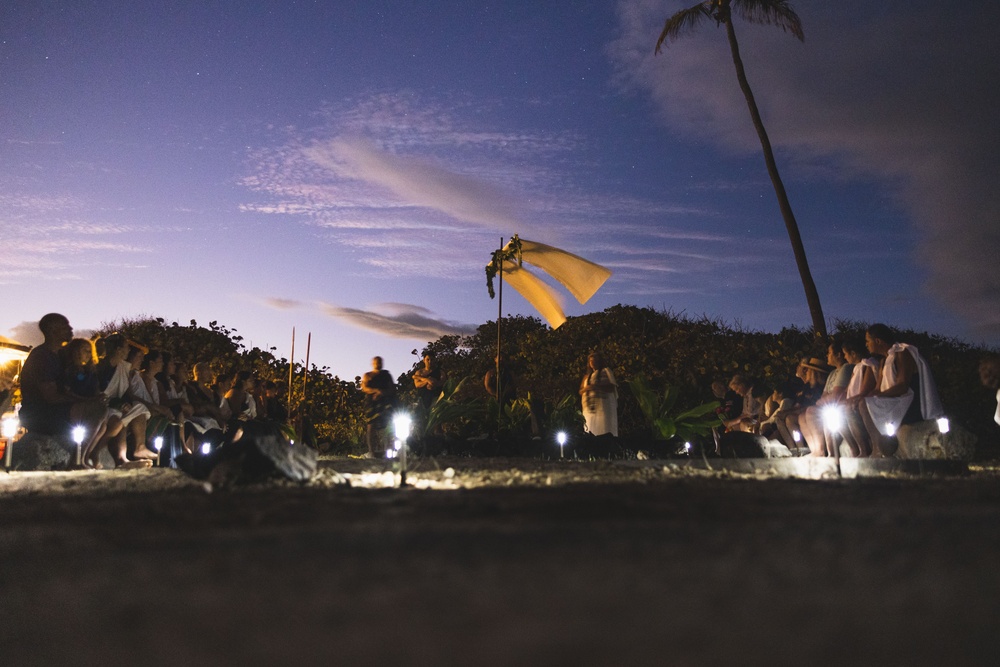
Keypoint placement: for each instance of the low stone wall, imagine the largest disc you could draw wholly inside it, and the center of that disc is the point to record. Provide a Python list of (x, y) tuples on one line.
[(924, 441), (35, 451)]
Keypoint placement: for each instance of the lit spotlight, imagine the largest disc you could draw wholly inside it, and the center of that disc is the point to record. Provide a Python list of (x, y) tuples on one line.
[(833, 418), (561, 439), (943, 425), (206, 447)]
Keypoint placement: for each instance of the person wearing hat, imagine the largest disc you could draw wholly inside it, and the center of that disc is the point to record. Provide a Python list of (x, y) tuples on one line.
[(812, 373), (819, 440)]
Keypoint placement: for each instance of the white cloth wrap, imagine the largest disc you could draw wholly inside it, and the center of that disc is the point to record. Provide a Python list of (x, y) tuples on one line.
[(600, 409), (888, 412), (117, 388)]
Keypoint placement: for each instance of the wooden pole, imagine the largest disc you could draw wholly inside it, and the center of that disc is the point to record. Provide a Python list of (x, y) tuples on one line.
[(291, 367), (499, 321), (305, 373)]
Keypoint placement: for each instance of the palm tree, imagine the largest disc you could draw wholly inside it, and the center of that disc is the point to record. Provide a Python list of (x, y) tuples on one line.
[(767, 12)]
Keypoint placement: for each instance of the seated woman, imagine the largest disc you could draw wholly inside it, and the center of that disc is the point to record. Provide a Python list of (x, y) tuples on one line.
[(80, 379), (146, 390), (749, 416), (207, 420), (862, 385), (813, 373), (781, 402), (126, 414), (818, 438), (906, 392)]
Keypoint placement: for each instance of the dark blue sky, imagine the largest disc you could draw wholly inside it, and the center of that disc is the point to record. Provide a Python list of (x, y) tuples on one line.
[(348, 169)]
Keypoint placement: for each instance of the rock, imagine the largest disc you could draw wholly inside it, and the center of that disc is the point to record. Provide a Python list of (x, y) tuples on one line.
[(924, 440), (36, 451), (252, 459), (775, 450), (296, 463)]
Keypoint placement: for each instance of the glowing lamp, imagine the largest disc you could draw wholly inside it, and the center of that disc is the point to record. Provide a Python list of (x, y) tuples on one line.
[(833, 418), (10, 426), (206, 447), (796, 436), (890, 429), (561, 439), (687, 447), (943, 425), (401, 422), (79, 433)]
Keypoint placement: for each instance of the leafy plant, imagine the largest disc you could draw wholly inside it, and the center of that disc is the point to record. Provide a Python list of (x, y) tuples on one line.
[(656, 408), (447, 409)]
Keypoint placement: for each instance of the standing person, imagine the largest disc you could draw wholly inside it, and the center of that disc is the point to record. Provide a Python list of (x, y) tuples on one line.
[(428, 381), (508, 383), (599, 396), (46, 405), (380, 398), (989, 375)]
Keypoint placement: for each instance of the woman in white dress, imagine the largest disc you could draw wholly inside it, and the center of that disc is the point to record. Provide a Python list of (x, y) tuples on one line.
[(599, 395)]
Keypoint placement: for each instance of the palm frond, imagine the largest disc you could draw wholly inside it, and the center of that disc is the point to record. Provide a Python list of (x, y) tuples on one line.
[(683, 22), (771, 12)]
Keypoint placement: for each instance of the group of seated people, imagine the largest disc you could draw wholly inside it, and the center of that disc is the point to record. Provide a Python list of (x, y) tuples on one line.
[(861, 395), (129, 399)]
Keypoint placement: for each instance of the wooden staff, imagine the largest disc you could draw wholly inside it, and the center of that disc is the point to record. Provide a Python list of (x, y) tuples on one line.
[(291, 366), (305, 373)]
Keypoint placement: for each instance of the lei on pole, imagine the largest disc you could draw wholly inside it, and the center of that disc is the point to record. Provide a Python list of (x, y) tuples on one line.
[(510, 252)]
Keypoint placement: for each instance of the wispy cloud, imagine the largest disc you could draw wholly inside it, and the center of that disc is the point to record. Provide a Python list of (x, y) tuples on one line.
[(432, 171), (282, 304), (399, 320)]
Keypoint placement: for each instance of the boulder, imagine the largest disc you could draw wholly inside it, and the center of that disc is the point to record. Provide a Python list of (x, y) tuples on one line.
[(924, 440), (35, 451)]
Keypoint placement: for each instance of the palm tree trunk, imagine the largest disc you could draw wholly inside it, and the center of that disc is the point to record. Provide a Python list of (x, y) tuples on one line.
[(812, 296)]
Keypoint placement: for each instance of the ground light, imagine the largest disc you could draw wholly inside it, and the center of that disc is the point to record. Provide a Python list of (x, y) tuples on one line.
[(10, 426), (158, 445), (943, 425), (833, 418), (206, 447), (796, 436), (561, 439), (890, 429), (79, 433), (401, 424)]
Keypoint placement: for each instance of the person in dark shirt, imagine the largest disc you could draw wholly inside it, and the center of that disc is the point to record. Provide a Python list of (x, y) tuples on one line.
[(428, 381), (380, 399), (47, 406)]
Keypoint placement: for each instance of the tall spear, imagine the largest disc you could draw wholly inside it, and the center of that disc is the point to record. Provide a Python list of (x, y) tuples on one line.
[(291, 366), (305, 373)]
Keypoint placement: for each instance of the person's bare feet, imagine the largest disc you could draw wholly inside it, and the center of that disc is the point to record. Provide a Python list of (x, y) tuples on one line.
[(134, 465), (143, 453)]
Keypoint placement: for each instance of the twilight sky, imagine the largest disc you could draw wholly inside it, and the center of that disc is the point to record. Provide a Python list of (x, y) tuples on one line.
[(346, 168)]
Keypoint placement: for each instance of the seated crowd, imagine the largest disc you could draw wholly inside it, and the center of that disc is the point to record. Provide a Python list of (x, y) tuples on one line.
[(860, 396), (133, 401)]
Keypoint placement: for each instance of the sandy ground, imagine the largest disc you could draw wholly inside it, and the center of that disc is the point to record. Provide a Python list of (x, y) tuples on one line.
[(499, 562)]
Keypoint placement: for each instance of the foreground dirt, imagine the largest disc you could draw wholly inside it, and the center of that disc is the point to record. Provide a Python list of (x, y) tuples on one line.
[(499, 562)]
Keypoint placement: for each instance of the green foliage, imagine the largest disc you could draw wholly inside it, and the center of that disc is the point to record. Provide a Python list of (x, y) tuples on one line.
[(659, 349), (447, 413), (657, 409)]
